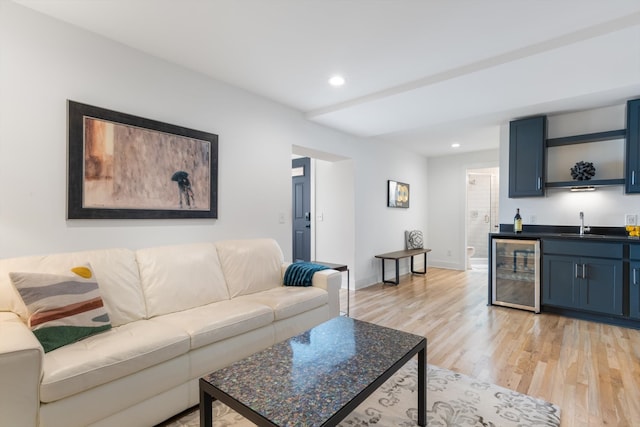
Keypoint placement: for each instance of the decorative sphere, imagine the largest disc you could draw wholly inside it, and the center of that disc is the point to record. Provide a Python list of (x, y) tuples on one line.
[(583, 171)]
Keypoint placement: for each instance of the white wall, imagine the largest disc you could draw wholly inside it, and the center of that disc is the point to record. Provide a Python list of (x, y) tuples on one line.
[(334, 215), (606, 206), (447, 207), (44, 62), (380, 229), (335, 211)]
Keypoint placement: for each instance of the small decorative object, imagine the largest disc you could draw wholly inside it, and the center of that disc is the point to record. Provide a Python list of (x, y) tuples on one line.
[(414, 239), (583, 171), (633, 230)]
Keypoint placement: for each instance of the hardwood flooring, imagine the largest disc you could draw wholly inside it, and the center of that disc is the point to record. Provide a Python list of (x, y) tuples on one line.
[(591, 370)]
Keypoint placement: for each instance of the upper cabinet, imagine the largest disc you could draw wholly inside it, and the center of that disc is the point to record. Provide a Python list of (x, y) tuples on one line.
[(632, 158), (527, 157)]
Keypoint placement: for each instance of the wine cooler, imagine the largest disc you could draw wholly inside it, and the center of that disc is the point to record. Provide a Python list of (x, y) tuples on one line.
[(516, 273)]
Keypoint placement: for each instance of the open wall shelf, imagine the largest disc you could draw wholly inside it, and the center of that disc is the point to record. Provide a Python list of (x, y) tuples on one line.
[(582, 139), (591, 182), (588, 137)]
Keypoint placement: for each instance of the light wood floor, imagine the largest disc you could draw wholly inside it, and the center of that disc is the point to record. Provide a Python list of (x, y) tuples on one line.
[(591, 370)]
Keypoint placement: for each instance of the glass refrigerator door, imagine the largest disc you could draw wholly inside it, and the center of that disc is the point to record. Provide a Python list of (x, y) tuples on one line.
[(516, 273)]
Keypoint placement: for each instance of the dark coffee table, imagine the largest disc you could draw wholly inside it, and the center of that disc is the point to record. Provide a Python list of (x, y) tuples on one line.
[(316, 378)]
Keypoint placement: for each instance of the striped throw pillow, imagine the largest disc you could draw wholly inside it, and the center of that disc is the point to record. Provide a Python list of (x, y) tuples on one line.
[(62, 309)]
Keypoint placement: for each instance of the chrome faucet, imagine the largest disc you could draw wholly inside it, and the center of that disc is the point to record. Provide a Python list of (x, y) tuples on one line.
[(583, 229)]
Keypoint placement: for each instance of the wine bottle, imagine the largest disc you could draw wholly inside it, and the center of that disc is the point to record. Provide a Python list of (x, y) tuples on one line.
[(517, 222)]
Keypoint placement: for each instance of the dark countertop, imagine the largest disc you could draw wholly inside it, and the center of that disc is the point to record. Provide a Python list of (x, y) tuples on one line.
[(609, 234)]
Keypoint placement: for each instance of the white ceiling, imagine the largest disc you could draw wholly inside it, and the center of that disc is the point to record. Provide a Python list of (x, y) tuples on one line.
[(420, 73)]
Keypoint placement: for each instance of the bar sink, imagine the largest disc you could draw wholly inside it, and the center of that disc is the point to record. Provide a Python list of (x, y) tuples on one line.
[(587, 236)]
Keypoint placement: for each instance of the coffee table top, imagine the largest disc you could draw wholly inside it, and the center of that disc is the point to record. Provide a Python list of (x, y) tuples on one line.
[(309, 378)]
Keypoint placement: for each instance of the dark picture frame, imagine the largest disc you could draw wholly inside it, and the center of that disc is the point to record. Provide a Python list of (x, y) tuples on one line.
[(397, 194), (122, 166)]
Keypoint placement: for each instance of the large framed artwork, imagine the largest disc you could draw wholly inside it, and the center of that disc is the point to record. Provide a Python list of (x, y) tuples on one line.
[(124, 166), (397, 194)]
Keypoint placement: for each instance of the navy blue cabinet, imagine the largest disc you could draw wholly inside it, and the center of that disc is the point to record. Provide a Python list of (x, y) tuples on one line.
[(559, 282), (634, 290), (632, 158), (634, 282), (527, 157), (583, 276)]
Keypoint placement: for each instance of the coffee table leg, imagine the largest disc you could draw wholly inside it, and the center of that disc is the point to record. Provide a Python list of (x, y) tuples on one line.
[(422, 387), (206, 416)]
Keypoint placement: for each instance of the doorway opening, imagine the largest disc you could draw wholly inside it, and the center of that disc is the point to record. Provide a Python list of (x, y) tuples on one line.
[(482, 214), (301, 208), (330, 218)]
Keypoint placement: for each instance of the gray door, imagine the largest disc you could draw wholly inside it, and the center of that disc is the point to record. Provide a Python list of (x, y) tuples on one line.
[(301, 202)]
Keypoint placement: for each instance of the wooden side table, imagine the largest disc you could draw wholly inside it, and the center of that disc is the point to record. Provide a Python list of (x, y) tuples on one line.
[(397, 256), (338, 267)]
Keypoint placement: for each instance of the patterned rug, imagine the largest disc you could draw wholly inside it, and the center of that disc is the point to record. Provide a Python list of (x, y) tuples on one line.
[(452, 400)]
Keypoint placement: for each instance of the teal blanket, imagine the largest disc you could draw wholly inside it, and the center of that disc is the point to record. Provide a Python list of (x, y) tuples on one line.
[(301, 273)]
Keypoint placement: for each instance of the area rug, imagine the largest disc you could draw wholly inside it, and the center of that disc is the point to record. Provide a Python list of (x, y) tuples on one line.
[(453, 399)]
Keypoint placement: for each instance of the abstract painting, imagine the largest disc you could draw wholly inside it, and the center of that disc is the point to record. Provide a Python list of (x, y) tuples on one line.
[(124, 166), (397, 194)]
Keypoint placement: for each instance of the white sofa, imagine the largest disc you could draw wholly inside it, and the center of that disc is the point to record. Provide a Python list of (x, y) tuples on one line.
[(177, 313)]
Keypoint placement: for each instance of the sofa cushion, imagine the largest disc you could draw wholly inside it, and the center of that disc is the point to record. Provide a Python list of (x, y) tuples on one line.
[(116, 271), (219, 320), (287, 301), (108, 356), (62, 308), (251, 265), (176, 278)]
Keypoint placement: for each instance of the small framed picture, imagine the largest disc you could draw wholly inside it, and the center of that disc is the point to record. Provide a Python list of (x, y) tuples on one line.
[(397, 194)]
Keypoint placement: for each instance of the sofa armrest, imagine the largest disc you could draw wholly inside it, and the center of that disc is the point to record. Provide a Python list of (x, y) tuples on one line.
[(20, 370), (330, 281)]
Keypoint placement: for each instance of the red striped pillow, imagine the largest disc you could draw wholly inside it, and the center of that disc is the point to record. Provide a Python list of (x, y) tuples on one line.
[(62, 309)]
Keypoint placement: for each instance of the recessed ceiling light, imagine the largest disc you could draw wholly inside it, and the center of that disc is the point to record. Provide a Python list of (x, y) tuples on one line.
[(455, 145), (336, 81)]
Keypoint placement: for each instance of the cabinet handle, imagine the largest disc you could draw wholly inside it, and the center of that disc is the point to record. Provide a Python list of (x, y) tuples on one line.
[(576, 272), (633, 177), (584, 275), (635, 278), (539, 183)]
